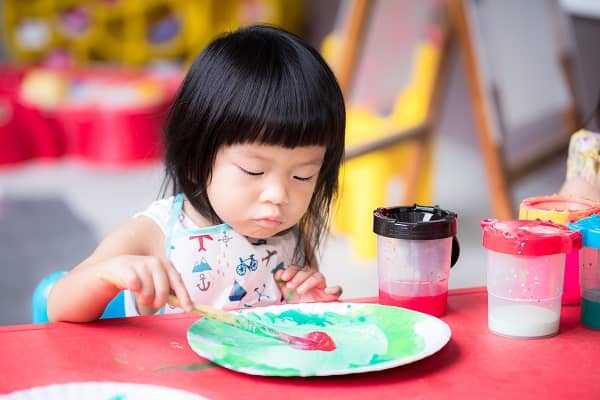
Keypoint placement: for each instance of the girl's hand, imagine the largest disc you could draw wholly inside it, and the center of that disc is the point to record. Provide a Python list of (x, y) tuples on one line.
[(301, 285), (151, 278)]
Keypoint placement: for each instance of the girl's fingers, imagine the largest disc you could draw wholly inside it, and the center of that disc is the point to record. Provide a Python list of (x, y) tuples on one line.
[(278, 275), (334, 290), (161, 286), (114, 280), (298, 279), (152, 279), (146, 292), (315, 280), (176, 283), (290, 272), (331, 293)]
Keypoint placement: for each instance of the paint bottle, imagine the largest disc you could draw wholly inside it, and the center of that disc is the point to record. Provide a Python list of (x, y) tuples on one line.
[(416, 246), (562, 210), (525, 273), (589, 271)]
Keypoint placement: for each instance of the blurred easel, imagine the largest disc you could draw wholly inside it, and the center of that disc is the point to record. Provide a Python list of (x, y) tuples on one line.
[(420, 135), (391, 115), (458, 25), (485, 101)]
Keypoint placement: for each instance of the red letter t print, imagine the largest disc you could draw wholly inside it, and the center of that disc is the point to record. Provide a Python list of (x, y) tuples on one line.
[(201, 241)]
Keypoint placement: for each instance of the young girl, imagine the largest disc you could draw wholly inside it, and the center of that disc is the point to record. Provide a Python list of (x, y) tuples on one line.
[(254, 142)]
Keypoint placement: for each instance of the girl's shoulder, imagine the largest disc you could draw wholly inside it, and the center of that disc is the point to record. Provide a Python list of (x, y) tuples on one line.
[(169, 213), (158, 211)]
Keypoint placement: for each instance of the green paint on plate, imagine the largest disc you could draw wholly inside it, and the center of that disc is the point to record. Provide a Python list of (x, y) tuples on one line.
[(367, 336)]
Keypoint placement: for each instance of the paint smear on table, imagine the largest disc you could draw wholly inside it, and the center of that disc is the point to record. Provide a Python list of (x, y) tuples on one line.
[(186, 367), (368, 337)]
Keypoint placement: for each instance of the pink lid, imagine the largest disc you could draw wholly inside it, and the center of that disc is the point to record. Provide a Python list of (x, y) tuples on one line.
[(528, 238)]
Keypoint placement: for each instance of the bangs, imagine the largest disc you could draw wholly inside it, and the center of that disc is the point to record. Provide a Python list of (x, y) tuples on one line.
[(288, 121), (279, 101)]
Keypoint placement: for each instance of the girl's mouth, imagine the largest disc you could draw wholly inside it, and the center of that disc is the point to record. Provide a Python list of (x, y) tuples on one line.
[(268, 222)]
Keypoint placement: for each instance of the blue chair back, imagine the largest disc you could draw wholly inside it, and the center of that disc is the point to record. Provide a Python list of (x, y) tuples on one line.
[(39, 301)]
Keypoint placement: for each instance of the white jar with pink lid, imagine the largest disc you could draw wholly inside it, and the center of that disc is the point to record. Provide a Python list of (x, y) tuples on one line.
[(525, 271)]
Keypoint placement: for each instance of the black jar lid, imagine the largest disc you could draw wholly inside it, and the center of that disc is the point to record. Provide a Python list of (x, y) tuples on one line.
[(414, 222)]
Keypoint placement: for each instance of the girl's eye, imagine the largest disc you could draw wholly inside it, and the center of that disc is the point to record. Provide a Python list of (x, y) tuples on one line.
[(303, 179), (251, 173)]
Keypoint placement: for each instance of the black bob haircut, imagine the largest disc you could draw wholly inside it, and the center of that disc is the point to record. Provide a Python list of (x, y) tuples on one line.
[(258, 84)]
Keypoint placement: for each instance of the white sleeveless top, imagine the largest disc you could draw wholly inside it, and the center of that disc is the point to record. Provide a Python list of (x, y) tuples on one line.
[(219, 266)]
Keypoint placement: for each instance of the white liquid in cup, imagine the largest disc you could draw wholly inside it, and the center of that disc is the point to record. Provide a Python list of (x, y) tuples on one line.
[(523, 320), (524, 294)]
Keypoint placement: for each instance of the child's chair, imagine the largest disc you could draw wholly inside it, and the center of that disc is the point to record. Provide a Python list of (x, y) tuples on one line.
[(114, 309)]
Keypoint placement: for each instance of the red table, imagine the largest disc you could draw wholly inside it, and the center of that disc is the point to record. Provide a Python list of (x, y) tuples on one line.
[(154, 350)]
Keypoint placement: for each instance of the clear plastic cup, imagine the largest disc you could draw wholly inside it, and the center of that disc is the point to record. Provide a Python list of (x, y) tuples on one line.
[(525, 270), (589, 270), (416, 246), (562, 210)]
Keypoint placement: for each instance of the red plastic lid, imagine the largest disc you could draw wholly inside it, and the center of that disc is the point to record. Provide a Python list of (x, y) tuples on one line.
[(528, 238)]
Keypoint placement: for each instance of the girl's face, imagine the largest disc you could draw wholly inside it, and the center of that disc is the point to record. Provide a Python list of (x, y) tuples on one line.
[(261, 190)]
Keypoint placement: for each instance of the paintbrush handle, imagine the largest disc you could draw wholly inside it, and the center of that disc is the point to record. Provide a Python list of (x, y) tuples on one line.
[(225, 317), (237, 321), (216, 314), (205, 311)]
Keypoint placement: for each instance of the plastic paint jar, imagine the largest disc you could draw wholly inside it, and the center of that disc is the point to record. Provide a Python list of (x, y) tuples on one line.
[(589, 273), (416, 246), (525, 271), (562, 210)]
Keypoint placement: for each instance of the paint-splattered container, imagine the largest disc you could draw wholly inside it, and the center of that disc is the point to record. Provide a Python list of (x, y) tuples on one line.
[(562, 210), (416, 246), (525, 271), (589, 272)]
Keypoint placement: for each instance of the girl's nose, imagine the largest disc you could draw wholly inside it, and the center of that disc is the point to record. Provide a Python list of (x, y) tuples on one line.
[(275, 191)]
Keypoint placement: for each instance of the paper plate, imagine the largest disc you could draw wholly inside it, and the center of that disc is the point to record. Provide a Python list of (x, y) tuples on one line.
[(101, 391), (368, 337)]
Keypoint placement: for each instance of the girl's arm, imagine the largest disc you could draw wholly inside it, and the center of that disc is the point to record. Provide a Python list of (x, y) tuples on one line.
[(131, 257)]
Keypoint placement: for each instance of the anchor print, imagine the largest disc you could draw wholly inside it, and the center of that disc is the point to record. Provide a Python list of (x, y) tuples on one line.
[(270, 254), (204, 284), (249, 263)]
